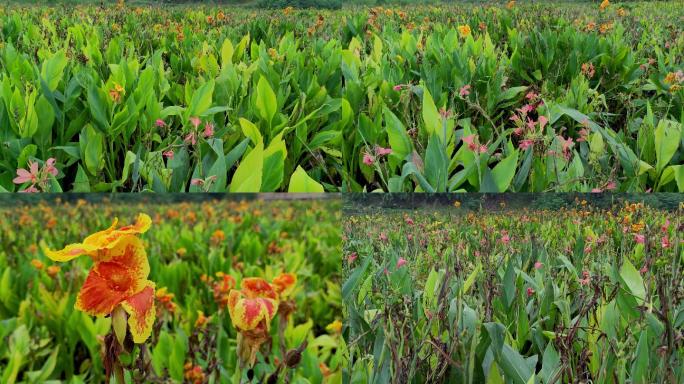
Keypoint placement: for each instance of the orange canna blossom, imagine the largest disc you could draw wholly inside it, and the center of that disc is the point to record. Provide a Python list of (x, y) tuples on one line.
[(118, 277), (284, 284)]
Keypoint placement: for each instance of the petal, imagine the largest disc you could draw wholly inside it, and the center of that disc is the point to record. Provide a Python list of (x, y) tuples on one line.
[(98, 239), (284, 283), (97, 297), (246, 314), (69, 252), (254, 287), (140, 307), (118, 275), (107, 239)]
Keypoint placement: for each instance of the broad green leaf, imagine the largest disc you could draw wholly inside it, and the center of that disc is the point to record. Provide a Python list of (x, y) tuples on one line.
[(266, 102), (247, 177), (301, 182), (667, 138), (504, 172), (633, 280)]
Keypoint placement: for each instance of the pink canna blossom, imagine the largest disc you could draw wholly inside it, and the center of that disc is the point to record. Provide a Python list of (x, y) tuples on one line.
[(190, 138), (409, 221), (542, 122), (352, 257), (464, 91), (50, 166), (596, 190), (538, 265), (665, 226), (398, 87), (160, 123), (368, 159), (31, 189), (401, 262), (527, 143), (383, 236), (196, 182), (530, 292), (639, 238), (168, 154), (665, 242), (24, 176), (208, 130), (643, 269), (380, 151), (195, 121)]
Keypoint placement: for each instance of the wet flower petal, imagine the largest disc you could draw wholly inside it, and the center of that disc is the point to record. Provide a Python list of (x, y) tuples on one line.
[(141, 310)]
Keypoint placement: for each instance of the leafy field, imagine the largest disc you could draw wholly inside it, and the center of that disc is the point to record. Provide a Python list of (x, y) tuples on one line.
[(577, 294), (501, 97), (206, 260)]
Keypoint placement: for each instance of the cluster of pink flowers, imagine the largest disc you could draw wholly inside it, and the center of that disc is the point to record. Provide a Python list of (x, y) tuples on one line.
[(527, 129), (379, 152), (586, 278), (473, 143), (505, 238), (35, 175), (464, 91)]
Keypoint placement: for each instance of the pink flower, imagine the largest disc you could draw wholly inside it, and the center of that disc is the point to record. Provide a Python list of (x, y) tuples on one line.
[(542, 122), (383, 237), (397, 87), (665, 226), (50, 166), (24, 176), (195, 121), (524, 144), (596, 190), (190, 138), (583, 134), (31, 189), (586, 278), (518, 131), (368, 159), (409, 221), (401, 262), (352, 257), (530, 292), (505, 238), (640, 239), (643, 269), (409, 237), (196, 182), (527, 108), (465, 90), (380, 151), (483, 148), (538, 265), (531, 95), (611, 185), (208, 130), (514, 118), (168, 154), (160, 123), (665, 242)]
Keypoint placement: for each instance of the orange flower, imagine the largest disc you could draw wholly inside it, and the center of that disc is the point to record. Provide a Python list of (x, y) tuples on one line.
[(37, 264), (222, 288), (53, 270), (464, 30), (118, 277), (284, 284), (604, 4)]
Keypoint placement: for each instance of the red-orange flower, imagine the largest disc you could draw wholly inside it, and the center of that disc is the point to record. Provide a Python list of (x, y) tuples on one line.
[(118, 276), (284, 284)]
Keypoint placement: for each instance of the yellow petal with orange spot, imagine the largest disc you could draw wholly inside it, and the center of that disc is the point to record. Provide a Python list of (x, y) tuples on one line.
[(254, 287), (141, 311), (107, 239), (69, 252), (284, 284)]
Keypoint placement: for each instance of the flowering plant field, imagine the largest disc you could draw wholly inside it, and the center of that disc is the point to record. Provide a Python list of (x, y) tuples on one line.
[(501, 97), (577, 294), (203, 292)]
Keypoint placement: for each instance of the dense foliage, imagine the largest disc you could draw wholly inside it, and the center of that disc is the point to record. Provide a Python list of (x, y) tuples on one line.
[(452, 97), (579, 294), (197, 253)]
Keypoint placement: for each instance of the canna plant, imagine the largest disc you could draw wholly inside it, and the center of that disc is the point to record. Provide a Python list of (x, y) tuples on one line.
[(116, 286)]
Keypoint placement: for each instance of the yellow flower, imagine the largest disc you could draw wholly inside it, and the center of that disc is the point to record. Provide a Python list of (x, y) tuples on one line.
[(464, 30), (334, 327), (604, 4), (510, 4), (284, 284)]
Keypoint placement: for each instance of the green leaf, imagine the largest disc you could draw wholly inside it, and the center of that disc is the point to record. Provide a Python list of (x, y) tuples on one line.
[(247, 177), (679, 176), (667, 138), (301, 182), (399, 140), (53, 69), (504, 172), (81, 183), (640, 365), (471, 279), (266, 102), (227, 52), (98, 107), (431, 117), (201, 100), (633, 280), (436, 164)]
